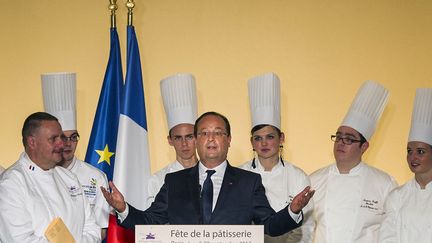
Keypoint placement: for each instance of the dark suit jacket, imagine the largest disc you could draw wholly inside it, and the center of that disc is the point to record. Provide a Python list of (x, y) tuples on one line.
[(241, 201)]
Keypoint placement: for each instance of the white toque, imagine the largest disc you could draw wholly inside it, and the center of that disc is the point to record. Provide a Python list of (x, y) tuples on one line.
[(367, 108), (421, 119), (59, 95), (179, 99), (264, 100)]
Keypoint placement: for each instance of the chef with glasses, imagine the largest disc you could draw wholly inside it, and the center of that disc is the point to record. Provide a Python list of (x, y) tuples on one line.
[(350, 194)]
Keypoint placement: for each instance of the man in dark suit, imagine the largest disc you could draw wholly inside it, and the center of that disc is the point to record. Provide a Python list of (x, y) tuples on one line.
[(212, 192)]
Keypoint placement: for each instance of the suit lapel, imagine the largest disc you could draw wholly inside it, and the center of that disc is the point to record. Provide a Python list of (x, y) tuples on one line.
[(194, 190)]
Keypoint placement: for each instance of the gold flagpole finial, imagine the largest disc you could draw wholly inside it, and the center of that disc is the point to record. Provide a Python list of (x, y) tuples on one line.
[(113, 8), (130, 5)]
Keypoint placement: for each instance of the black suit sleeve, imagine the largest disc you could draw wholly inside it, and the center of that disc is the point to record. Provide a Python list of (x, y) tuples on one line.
[(275, 224), (280, 223), (155, 214)]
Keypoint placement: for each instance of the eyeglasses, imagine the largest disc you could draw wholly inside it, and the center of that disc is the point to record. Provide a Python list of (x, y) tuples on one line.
[(345, 140), (216, 134), (73, 138)]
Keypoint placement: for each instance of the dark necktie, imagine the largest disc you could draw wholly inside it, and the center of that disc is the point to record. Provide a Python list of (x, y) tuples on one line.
[(207, 197)]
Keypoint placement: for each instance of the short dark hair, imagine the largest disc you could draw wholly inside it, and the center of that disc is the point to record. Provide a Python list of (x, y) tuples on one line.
[(170, 132), (213, 113), (362, 139), (32, 124), (260, 126)]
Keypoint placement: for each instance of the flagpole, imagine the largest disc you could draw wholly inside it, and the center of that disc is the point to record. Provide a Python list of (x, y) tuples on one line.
[(113, 8), (130, 5)]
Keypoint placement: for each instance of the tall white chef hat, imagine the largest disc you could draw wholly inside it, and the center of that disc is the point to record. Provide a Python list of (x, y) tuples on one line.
[(367, 108), (179, 98), (264, 100), (421, 120), (59, 94)]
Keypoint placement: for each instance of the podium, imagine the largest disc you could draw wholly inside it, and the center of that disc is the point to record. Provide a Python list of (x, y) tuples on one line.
[(199, 233)]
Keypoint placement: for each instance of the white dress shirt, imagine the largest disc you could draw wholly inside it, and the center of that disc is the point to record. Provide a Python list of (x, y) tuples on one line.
[(216, 178)]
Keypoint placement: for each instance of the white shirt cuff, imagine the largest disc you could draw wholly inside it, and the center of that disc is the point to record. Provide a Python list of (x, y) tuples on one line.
[(122, 216), (297, 217)]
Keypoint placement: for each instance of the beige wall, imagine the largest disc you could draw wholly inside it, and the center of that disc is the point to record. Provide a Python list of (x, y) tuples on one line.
[(321, 50)]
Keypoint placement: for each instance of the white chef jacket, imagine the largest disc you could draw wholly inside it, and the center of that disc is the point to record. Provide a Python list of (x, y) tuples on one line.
[(408, 217), (156, 181), (31, 198), (281, 185), (349, 207), (91, 179)]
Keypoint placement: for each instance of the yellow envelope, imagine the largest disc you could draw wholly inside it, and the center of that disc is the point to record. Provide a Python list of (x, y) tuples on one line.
[(57, 232)]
